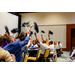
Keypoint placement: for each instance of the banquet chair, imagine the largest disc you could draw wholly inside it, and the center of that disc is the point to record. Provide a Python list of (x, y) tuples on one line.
[(35, 58), (46, 54)]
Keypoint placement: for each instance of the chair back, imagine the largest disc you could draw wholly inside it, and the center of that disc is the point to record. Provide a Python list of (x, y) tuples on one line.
[(26, 58), (38, 53), (46, 54), (23, 56)]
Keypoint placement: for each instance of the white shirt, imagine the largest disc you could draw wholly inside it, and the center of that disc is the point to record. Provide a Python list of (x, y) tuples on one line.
[(51, 48), (59, 46), (34, 46), (43, 47)]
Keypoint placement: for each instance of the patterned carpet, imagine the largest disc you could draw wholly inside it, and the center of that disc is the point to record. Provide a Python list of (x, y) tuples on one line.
[(65, 57)]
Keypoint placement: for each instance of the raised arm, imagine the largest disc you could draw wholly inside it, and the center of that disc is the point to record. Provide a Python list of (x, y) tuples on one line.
[(22, 43), (49, 37), (42, 37), (36, 37), (15, 36), (30, 27), (26, 46)]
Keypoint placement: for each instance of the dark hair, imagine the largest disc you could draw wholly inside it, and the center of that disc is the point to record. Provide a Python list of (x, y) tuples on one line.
[(9, 39), (44, 41), (1, 40), (51, 42), (22, 36)]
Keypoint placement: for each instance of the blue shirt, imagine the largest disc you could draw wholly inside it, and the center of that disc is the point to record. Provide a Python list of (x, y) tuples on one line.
[(15, 48)]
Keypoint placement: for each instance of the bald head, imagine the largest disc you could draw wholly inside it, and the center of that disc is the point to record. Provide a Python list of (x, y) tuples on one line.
[(1, 40)]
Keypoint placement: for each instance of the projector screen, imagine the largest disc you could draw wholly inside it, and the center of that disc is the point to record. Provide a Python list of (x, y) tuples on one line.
[(8, 19)]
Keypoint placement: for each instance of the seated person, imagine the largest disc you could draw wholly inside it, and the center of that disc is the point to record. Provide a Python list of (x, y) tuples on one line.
[(43, 46), (14, 47), (21, 36), (25, 48), (55, 44), (38, 44), (51, 45), (5, 55), (73, 56), (58, 48), (4, 39), (34, 45), (44, 39)]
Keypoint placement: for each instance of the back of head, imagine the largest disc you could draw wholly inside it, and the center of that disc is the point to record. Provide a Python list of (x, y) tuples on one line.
[(55, 42), (44, 41), (9, 39), (22, 36), (1, 40), (51, 42)]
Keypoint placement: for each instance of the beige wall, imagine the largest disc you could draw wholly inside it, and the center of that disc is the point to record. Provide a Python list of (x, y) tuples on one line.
[(55, 21), (7, 19), (50, 18)]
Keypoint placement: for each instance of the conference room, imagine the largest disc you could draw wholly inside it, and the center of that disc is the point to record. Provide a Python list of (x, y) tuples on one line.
[(37, 36)]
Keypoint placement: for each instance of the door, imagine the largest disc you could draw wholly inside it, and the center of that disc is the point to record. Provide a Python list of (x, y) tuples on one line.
[(72, 38)]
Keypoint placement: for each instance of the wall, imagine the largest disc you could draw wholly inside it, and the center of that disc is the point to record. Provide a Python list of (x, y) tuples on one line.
[(49, 18), (55, 21), (7, 19)]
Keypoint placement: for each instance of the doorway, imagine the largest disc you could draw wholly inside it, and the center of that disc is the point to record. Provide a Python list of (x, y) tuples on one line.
[(72, 38)]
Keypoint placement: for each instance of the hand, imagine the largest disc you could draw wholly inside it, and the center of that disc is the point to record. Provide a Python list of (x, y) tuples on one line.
[(31, 26), (35, 33), (28, 33), (16, 34)]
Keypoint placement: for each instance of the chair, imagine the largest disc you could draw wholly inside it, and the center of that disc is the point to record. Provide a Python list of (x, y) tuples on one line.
[(26, 57), (46, 54), (35, 58), (23, 56)]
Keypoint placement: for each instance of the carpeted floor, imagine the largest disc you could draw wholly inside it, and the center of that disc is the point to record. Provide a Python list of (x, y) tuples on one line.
[(65, 57)]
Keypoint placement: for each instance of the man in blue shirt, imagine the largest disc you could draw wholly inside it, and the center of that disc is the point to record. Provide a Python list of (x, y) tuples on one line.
[(15, 47)]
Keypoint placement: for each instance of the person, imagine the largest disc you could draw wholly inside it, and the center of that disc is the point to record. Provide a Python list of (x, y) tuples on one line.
[(43, 46), (25, 48), (51, 45), (58, 49), (5, 55), (59, 45), (44, 39), (72, 57), (55, 44), (6, 34), (34, 45), (15, 47), (21, 36)]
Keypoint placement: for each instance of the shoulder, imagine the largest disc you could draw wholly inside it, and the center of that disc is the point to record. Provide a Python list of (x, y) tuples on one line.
[(7, 56)]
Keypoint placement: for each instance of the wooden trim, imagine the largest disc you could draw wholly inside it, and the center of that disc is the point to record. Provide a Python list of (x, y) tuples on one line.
[(63, 49), (68, 36)]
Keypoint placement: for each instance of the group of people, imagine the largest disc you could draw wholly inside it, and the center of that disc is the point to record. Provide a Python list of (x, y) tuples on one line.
[(11, 47)]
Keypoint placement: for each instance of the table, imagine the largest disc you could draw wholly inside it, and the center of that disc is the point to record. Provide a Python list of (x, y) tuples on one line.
[(33, 51)]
